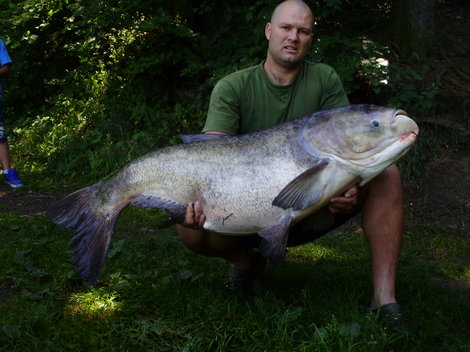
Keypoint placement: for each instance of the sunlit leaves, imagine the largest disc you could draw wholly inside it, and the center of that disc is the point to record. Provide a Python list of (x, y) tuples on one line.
[(95, 304)]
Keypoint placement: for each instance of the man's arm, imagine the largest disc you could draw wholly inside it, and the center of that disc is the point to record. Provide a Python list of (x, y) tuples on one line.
[(223, 115), (5, 70)]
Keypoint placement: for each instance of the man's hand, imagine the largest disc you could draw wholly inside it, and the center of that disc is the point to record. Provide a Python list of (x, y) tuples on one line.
[(194, 217), (346, 203)]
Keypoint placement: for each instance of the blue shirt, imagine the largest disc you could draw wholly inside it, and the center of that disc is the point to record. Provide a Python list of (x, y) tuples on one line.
[(4, 59)]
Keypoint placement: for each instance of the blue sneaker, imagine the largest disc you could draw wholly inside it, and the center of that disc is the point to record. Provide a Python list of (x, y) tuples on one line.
[(12, 178)]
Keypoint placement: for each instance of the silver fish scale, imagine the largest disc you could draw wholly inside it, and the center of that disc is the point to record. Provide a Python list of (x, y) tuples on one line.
[(235, 181)]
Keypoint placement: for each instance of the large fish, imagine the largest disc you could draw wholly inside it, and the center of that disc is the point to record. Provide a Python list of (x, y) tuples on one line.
[(260, 182)]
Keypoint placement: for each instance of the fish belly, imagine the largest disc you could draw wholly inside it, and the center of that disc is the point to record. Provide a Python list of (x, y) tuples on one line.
[(242, 202)]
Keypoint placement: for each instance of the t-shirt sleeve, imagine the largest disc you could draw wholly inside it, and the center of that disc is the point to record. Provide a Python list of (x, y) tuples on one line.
[(224, 109), (4, 57), (333, 95)]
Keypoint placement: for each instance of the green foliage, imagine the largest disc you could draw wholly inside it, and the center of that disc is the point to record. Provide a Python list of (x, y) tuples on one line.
[(97, 83)]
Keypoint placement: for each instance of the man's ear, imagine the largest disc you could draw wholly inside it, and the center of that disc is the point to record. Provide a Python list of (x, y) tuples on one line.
[(267, 30)]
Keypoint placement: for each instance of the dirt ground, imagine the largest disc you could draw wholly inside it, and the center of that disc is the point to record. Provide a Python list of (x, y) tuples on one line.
[(443, 198)]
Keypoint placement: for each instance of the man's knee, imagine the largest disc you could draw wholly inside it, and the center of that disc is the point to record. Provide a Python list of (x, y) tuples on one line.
[(388, 182), (385, 191)]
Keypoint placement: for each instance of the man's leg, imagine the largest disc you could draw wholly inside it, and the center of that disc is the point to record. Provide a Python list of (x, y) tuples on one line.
[(382, 222), (381, 204), (230, 248)]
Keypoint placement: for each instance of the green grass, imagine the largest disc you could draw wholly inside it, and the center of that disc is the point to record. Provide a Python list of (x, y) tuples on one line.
[(155, 295)]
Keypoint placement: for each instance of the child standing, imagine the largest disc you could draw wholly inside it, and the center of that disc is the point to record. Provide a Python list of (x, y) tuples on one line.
[(11, 176)]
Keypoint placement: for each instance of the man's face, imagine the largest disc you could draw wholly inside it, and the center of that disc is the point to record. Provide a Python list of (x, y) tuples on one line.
[(290, 35)]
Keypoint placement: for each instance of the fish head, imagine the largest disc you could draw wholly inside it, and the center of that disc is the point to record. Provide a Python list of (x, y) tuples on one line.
[(363, 138)]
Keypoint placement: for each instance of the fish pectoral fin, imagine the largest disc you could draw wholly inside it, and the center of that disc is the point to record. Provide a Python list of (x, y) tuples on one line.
[(273, 245), (175, 210), (190, 138), (304, 190)]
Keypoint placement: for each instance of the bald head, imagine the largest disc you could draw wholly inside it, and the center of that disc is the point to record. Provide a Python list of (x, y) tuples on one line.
[(298, 5)]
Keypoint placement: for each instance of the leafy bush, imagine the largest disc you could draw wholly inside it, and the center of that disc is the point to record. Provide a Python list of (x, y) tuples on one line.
[(97, 83)]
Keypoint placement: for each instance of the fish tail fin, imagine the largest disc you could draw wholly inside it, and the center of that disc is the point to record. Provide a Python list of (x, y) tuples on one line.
[(93, 233)]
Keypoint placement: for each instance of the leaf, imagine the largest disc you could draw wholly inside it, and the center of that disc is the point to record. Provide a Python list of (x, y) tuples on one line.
[(291, 315), (33, 270), (185, 275), (353, 331), (116, 248), (12, 331), (165, 279), (320, 334), (20, 256), (197, 277)]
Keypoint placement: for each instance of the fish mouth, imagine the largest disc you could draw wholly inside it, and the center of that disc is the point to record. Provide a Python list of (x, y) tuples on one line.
[(409, 137), (402, 113)]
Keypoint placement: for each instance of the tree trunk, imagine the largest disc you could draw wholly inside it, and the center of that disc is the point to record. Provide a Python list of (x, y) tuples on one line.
[(413, 26)]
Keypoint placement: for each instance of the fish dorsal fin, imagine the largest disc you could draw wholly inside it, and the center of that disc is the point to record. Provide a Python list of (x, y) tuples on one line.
[(201, 137), (273, 245), (175, 210), (304, 190)]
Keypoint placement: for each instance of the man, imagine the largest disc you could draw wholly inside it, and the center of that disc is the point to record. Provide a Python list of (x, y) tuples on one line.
[(11, 176), (283, 87)]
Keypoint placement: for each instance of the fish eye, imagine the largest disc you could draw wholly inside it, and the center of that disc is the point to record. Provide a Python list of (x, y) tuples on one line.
[(375, 123)]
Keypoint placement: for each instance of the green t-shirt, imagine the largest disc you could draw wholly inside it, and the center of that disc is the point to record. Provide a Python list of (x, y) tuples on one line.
[(247, 101)]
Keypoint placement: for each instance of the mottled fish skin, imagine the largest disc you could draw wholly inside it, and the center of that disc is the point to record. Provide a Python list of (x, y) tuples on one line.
[(235, 179), (255, 183)]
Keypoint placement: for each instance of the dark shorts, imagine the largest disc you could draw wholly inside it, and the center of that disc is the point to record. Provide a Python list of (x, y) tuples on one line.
[(3, 135), (308, 229)]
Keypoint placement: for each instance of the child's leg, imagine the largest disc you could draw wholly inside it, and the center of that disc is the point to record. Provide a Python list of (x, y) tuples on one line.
[(4, 155)]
